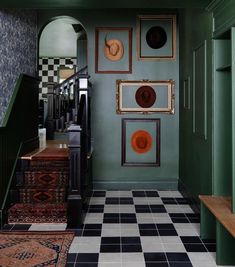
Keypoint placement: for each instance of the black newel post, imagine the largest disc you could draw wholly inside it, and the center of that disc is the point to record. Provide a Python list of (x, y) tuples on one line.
[(49, 124), (74, 211)]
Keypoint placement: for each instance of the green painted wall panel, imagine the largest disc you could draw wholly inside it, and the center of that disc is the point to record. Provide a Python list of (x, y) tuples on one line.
[(195, 150), (106, 124)]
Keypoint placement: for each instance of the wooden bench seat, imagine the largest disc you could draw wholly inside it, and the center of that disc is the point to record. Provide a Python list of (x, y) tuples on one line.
[(218, 221), (220, 207)]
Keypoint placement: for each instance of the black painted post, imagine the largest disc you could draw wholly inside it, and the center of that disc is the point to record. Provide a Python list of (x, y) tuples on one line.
[(50, 111), (74, 210)]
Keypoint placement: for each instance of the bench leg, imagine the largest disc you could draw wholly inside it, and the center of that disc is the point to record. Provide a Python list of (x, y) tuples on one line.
[(207, 224), (225, 245)]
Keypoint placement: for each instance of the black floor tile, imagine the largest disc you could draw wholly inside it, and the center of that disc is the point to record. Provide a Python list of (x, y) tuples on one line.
[(92, 226), (23, 227), (176, 257), (151, 232), (180, 264), (128, 220), (147, 226), (112, 200), (142, 209), (131, 240), (158, 209), (151, 194), (165, 226), (155, 257), (211, 247), (177, 215), (7, 227), (91, 233), (111, 220), (86, 264), (69, 264), (131, 248), (87, 257), (156, 264), (71, 257), (138, 194), (110, 248), (194, 220), (99, 194), (195, 248), (191, 240), (208, 241), (110, 240), (126, 200), (183, 201), (167, 232), (180, 220), (169, 200)]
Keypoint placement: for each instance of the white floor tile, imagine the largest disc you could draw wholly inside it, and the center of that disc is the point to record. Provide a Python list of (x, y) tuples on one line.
[(97, 201), (174, 247), (171, 239), (127, 209), (110, 257), (129, 232), (140, 201), (47, 227), (111, 193), (125, 194), (111, 232), (133, 257)]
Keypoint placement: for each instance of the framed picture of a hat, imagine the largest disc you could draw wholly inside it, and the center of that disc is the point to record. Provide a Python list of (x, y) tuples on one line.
[(145, 96), (141, 142), (156, 37), (113, 50)]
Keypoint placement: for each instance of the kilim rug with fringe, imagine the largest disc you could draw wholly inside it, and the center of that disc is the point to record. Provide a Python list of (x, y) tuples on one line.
[(27, 249)]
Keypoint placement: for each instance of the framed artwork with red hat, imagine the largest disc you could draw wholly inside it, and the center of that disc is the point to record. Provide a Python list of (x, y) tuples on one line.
[(156, 37), (113, 50), (145, 96), (141, 142)]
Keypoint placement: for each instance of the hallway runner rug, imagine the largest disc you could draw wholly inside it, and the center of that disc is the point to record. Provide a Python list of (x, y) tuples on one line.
[(27, 249)]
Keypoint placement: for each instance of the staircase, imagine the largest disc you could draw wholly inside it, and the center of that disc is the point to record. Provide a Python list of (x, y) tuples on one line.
[(41, 188)]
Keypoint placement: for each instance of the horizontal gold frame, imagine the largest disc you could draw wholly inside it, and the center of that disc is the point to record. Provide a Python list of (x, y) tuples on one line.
[(123, 85)]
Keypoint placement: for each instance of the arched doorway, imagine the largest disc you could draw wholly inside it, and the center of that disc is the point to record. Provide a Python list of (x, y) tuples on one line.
[(62, 51)]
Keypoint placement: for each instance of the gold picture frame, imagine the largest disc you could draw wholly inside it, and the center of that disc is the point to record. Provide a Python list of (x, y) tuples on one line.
[(159, 99), (156, 37)]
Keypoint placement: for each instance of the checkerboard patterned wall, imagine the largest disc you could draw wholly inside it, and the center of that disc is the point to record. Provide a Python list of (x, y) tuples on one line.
[(48, 68)]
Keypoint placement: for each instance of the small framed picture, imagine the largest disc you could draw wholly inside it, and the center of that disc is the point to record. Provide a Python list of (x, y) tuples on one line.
[(145, 96), (113, 50), (141, 142), (156, 37)]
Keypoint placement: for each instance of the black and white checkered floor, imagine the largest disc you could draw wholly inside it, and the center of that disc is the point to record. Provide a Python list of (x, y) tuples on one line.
[(137, 229)]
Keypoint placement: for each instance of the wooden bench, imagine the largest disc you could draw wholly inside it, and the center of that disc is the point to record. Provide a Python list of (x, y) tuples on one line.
[(217, 221)]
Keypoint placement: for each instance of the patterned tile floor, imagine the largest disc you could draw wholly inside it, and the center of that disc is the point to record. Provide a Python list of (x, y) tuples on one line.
[(136, 229)]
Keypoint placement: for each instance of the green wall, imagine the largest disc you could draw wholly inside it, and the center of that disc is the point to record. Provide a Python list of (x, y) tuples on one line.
[(196, 101), (106, 124)]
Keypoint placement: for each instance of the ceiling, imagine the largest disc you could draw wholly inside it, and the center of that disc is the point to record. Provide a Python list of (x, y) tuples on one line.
[(93, 4)]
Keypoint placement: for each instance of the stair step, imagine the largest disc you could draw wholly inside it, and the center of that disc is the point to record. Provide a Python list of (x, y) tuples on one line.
[(46, 178), (42, 195), (37, 213)]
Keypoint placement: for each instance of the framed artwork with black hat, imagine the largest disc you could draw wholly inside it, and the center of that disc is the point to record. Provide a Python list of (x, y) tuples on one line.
[(145, 96), (156, 37), (141, 142), (113, 50)]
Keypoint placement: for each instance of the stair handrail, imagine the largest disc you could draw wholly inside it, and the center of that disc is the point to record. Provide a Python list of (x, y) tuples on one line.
[(74, 76)]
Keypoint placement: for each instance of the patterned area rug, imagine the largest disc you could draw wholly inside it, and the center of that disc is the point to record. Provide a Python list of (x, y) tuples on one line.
[(27, 249)]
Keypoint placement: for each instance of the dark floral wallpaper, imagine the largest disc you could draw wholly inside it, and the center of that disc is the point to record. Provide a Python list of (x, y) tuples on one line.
[(18, 46)]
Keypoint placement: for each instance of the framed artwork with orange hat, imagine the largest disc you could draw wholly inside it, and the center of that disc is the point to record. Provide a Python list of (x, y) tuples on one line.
[(113, 50), (156, 37), (140, 142), (145, 96)]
